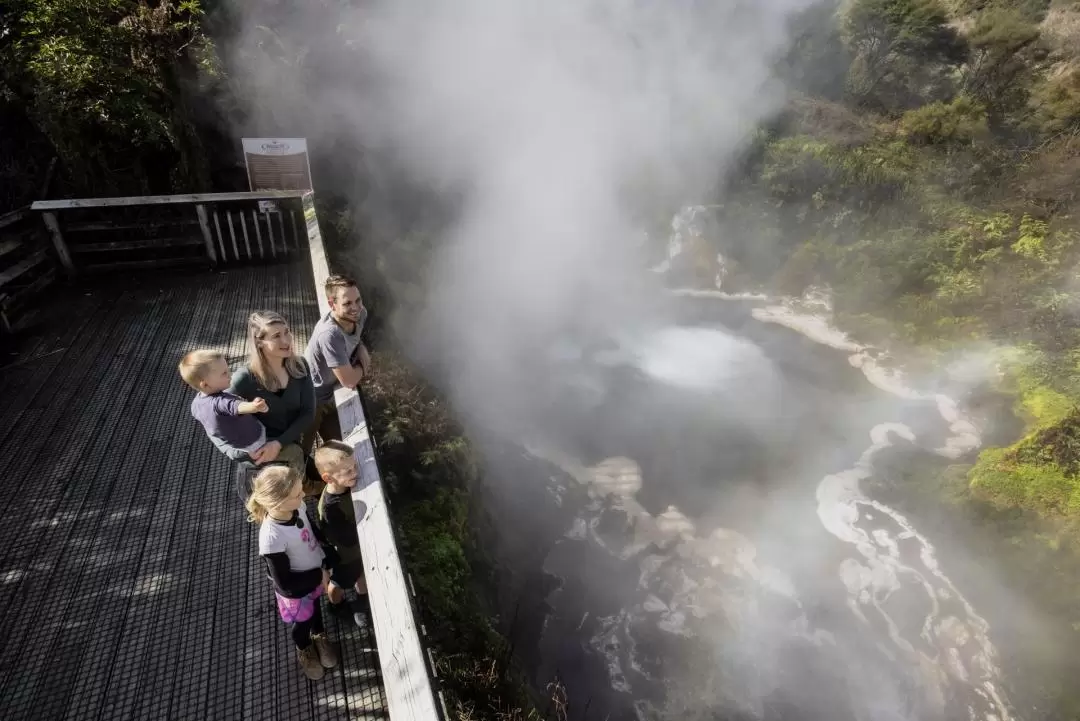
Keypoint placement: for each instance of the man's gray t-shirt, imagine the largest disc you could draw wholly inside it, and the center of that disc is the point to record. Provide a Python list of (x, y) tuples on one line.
[(330, 347)]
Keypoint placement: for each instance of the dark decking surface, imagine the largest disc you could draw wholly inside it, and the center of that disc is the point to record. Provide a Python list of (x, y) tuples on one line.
[(130, 587)]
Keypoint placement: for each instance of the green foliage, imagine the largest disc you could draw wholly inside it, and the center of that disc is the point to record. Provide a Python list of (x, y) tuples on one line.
[(999, 72), (435, 532), (1004, 30), (432, 473), (1040, 471), (962, 120), (899, 49), (1055, 103), (1032, 11), (1027, 475), (1041, 382), (876, 223), (102, 81), (802, 168)]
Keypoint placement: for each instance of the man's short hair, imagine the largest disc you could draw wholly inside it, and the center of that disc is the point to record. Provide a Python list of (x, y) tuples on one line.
[(195, 365), (337, 281), (330, 454)]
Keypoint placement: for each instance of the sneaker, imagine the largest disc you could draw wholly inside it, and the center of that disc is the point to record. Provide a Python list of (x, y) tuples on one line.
[(328, 656), (309, 661), (340, 610), (361, 611)]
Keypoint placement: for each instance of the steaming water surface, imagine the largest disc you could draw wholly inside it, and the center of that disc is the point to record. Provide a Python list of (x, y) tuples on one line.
[(719, 557)]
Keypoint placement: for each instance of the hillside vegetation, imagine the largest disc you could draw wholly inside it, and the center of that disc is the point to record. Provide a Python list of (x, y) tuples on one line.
[(927, 173)]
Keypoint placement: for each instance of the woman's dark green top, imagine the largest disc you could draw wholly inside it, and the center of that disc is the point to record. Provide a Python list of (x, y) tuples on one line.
[(291, 411)]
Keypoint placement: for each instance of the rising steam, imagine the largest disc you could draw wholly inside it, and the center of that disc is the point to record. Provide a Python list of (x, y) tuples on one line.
[(557, 123)]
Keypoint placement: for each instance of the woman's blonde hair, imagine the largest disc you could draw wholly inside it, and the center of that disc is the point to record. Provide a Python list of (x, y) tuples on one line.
[(271, 487), (259, 324)]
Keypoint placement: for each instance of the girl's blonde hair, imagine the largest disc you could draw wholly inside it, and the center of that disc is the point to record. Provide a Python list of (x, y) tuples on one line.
[(259, 324), (272, 486)]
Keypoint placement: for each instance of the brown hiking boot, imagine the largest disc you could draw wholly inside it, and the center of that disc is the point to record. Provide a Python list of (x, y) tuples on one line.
[(309, 661), (327, 653)]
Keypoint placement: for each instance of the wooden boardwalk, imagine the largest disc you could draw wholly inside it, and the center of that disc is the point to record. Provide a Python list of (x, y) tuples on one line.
[(130, 587)]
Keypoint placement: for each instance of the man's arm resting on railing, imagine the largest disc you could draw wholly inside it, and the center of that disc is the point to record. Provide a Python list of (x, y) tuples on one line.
[(349, 376), (346, 368)]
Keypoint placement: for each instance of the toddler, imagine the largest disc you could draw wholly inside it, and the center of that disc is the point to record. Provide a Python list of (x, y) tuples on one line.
[(223, 415)]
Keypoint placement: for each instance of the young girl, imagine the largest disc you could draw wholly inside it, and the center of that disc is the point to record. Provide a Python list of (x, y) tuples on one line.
[(292, 549)]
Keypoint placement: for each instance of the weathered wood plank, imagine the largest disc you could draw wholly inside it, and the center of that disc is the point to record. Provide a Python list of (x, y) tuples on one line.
[(17, 297), (8, 246), (136, 244), (258, 232), (164, 199), (14, 216), (404, 666), (28, 232), (270, 234), (232, 234), (17, 303), (208, 239), (220, 238), (144, 264), (106, 225), (58, 242), (20, 268), (247, 239)]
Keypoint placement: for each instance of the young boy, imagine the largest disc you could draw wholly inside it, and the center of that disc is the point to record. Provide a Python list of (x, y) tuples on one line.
[(337, 521), (223, 415)]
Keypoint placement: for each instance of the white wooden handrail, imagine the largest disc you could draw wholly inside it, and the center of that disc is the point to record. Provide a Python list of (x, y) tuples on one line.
[(164, 199), (409, 693)]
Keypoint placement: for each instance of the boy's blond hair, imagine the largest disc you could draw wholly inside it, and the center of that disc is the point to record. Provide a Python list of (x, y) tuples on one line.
[(270, 487), (330, 454), (194, 366)]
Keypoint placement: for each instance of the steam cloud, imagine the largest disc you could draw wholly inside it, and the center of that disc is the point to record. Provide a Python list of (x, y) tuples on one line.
[(557, 123)]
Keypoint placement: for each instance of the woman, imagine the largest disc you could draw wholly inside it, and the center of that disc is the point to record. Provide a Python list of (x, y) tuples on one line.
[(281, 378)]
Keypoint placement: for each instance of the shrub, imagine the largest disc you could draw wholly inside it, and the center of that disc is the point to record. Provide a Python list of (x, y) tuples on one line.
[(1006, 476), (898, 49), (1055, 103), (998, 73), (431, 474), (800, 167), (961, 121)]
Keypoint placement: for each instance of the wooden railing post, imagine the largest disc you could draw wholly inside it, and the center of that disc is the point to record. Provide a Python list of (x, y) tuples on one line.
[(208, 239), (58, 242)]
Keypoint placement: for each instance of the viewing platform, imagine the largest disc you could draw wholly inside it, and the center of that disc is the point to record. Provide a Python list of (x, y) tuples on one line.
[(130, 582)]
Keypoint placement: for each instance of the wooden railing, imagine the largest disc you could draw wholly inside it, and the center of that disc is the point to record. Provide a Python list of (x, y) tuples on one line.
[(26, 265), (102, 234), (99, 234)]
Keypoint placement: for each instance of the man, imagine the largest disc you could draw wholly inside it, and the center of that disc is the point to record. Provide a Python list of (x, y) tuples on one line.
[(336, 355)]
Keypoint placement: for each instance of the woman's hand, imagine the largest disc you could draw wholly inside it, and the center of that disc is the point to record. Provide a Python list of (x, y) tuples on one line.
[(326, 582), (267, 453)]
